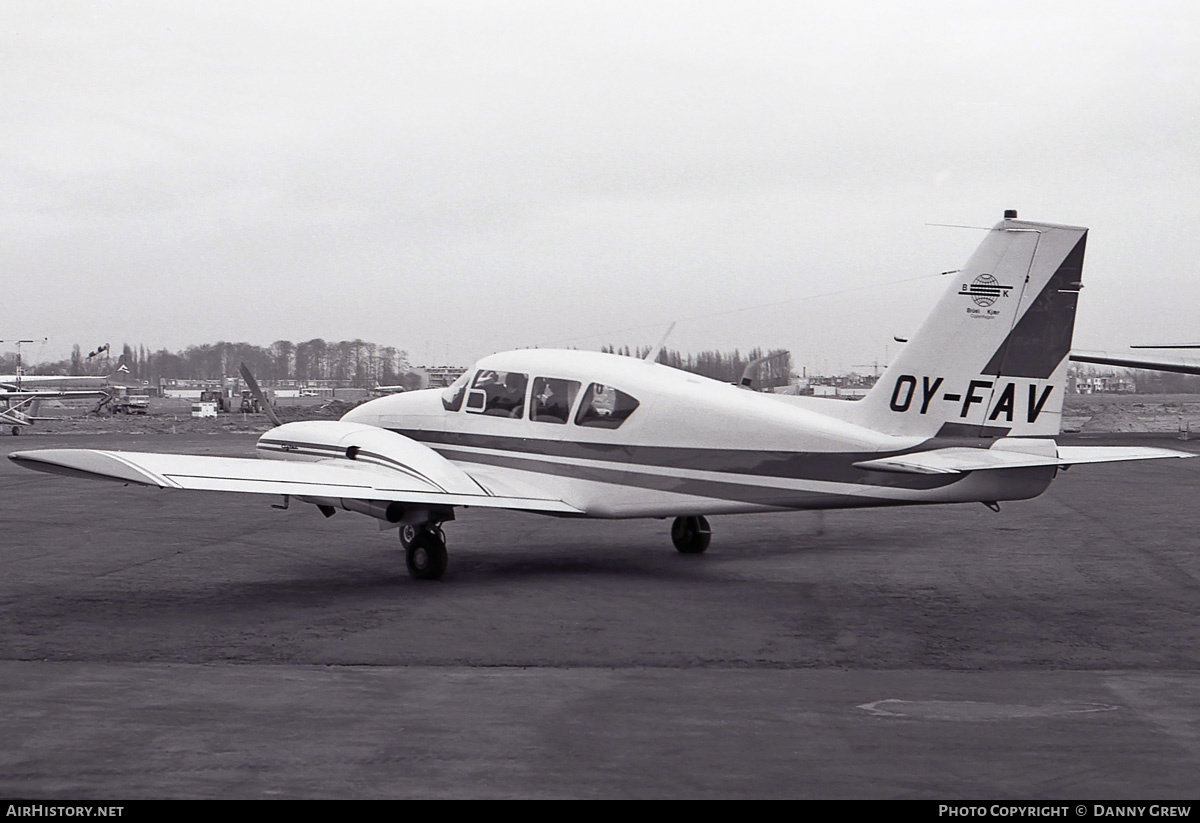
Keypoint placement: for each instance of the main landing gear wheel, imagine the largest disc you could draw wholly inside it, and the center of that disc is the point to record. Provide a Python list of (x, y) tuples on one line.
[(16, 430), (691, 535), (426, 554)]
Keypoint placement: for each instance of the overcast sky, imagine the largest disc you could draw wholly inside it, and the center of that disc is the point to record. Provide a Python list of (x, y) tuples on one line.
[(459, 178)]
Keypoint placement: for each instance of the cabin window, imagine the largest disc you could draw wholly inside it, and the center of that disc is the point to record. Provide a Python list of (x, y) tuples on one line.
[(604, 407), (552, 399), (498, 393), (452, 395)]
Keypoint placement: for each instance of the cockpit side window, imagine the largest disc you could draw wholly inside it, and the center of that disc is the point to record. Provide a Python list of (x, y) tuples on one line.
[(604, 407), (452, 395), (498, 393), (552, 399)]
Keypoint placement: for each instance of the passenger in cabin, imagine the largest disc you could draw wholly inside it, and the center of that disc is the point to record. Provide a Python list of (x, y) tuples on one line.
[(552, 399), (604, 400), (513, 398), (503, 394), (542, 392)]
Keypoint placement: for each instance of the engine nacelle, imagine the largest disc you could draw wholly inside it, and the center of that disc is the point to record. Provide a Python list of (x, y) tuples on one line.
[(379, 509), (389, 511), (414, 465)]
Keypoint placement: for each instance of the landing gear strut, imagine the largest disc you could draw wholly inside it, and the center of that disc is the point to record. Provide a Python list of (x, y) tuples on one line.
[(425, 551), (691, 535)]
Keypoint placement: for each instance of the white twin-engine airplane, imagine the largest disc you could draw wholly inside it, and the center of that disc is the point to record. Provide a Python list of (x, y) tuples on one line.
[(966, 413)]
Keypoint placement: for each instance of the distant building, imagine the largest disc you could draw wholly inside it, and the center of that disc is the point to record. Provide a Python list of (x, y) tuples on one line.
[(849, 386), (1101, 384), (440, 376)]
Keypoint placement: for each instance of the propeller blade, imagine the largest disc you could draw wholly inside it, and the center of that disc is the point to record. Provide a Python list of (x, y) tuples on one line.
[(252, 384)]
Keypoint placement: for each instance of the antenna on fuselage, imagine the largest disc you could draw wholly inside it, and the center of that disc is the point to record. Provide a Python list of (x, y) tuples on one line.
[(652, 356)]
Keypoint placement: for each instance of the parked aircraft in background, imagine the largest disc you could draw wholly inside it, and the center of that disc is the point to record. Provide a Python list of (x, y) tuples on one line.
[(20, 408), (35, 382), (22, 394), (1180, 365), (19, 382), (409, 381), (967, 412)]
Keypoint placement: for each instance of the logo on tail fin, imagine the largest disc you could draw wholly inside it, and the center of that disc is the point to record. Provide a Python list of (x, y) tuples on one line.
[(985, 290)]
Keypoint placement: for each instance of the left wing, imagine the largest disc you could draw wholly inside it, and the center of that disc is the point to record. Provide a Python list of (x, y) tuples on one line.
[(331, 478)]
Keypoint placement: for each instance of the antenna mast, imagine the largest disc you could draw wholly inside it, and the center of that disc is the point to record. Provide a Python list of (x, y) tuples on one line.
[(19, 343)]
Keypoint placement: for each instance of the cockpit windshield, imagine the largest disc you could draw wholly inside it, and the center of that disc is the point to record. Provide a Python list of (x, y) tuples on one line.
[(452, 395), (499, 393)]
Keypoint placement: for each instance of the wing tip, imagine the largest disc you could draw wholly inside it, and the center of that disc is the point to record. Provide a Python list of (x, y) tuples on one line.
[(89, 463)]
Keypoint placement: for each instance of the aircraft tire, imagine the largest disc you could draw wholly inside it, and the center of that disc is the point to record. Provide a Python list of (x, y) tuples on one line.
[(691, 535), (408, 533), (16, 430), (426, 555)]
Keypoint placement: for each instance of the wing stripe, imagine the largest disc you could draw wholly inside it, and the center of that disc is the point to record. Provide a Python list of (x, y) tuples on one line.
[(156, 479), (338, 453)]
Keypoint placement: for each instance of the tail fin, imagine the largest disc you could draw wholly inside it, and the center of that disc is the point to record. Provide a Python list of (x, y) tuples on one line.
[(991, 360), (121, 376)]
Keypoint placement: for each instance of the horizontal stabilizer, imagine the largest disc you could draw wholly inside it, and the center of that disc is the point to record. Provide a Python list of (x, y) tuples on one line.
[(962, 460), (1071, 455), (253, 476)]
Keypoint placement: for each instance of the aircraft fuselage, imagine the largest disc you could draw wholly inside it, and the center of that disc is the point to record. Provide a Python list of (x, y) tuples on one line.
[(691, 445)]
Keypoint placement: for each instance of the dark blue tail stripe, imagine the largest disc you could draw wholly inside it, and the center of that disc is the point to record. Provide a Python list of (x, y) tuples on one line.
[(1042, 337)]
